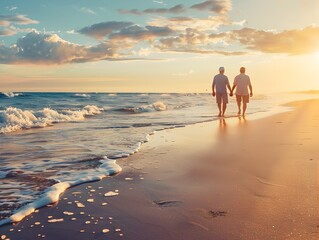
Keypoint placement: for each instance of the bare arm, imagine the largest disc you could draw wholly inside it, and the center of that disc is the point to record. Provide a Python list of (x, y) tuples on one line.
[(232, 90), (213, 89), (251, 89), (229, 88)]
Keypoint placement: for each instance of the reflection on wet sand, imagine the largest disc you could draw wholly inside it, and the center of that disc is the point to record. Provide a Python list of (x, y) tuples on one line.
[(222, 127), (242, 121)]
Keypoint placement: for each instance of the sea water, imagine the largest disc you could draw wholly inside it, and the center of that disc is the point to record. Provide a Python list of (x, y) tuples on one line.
[(52, 141)]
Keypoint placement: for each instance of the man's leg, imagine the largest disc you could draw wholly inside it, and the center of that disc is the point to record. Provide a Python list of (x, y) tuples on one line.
[(245, 101), (225, 101), (224, 108), (219, 105), (244, 107), (238, 99)]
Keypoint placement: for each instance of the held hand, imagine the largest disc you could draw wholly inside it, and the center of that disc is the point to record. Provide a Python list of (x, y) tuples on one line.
[(230, 94)]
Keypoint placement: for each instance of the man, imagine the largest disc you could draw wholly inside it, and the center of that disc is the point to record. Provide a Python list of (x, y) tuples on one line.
[(242, 83), (220, 82)]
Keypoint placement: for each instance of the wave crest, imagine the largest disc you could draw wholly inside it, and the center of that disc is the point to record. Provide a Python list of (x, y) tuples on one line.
[(156, 106), (84, 95), (10, 94), (13, 119)]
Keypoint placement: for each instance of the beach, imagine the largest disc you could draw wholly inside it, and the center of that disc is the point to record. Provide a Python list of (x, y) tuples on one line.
[(233, 178)]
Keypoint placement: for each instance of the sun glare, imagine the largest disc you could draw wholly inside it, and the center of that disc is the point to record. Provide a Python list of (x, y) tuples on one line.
[(317, 55)]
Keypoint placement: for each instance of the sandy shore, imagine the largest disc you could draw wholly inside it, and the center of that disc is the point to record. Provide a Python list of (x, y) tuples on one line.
[(234, 179)]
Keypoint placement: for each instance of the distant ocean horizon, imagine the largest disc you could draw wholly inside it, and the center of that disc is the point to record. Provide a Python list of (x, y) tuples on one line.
[(50, 141)]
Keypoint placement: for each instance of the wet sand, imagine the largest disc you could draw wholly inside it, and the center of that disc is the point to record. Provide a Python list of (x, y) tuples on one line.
[(237, 179)]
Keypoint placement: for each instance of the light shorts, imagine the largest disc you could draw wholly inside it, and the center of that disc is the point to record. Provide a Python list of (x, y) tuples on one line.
[(221, 98), (244, 98)]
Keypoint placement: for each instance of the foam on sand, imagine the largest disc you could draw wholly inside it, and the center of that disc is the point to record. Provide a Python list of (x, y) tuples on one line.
[(51, 195), (13, 119), (111, 194)]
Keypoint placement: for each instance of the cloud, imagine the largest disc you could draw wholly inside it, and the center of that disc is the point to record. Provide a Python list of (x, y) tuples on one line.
[(180, 19), (143, 52), (6, 20), (88, 10), (240, 23), (7, 32), (209, 24), (159, 2), (12, 30), (197, 42), (122, 41), (176, 9), (125, 31), (220, 37), (100, 30), (189, 38), (292, 42), (44, 48), (11, 8), (72, 31), (136, 32), (216, 6), (205, 51)]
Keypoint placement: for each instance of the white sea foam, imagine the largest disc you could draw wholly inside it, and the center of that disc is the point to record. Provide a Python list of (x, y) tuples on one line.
[(156, 106), (51, 195), (11, 94), (56, 220), (147, 137), (85, 95), (13, 119), (137, 147), (134, 149)]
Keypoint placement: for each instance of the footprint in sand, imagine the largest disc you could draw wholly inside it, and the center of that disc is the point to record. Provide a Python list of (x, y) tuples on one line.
[(217, 213), (168, 203)]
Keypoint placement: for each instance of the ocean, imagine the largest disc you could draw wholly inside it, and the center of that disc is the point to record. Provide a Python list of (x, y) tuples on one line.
[(52, 141)]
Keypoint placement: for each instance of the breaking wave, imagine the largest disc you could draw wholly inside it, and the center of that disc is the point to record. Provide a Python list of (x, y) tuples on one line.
[(10, 94), (156, 106), (13, 119), (84, 95)]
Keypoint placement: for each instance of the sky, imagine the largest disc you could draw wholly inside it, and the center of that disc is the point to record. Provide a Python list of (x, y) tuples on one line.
[(157, 45)]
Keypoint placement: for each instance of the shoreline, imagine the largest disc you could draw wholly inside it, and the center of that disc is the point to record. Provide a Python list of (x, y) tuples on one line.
[(153, 187), (58, 189)]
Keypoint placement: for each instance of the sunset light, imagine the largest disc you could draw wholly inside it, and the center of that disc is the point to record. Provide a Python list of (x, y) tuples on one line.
[(159, 119), (177, 41)]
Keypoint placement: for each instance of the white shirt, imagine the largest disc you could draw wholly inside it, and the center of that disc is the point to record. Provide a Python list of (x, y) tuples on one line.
[(242, 81)]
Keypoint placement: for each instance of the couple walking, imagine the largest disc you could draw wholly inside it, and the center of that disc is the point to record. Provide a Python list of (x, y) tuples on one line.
[(241, 84)]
